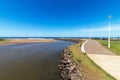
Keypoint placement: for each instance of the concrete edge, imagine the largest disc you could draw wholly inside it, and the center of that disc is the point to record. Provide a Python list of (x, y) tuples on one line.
[(83, 46)]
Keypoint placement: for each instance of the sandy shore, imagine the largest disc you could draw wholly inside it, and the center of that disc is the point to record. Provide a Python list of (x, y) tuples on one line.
[(17, 41)]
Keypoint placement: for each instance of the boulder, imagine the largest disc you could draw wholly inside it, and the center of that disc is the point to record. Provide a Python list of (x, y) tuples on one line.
[(69, 69)]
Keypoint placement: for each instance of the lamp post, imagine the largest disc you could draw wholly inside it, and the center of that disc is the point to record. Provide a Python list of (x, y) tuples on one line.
[(109, 17)]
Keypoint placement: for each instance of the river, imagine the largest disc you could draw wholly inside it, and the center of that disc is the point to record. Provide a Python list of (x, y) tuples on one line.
[(31, 61)]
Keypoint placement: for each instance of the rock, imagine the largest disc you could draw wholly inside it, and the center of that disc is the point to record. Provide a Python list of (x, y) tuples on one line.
[(69, 69)]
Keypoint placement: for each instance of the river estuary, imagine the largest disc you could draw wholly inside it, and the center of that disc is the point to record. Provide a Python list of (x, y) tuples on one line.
[(31, 61)]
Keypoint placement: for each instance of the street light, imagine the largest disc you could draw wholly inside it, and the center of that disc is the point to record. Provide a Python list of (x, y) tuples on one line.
[(109, 17)]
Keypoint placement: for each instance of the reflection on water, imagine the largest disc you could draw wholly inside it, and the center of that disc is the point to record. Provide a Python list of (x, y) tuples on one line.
[(33, 61)]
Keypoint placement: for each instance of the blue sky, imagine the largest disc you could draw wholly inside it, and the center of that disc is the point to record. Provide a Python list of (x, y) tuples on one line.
[(58, 18)]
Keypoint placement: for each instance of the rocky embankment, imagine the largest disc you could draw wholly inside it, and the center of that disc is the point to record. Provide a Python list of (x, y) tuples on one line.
[(69, 69)]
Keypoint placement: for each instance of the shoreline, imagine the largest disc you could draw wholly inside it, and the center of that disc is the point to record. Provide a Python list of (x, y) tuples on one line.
[(70, 70), (20, 41)]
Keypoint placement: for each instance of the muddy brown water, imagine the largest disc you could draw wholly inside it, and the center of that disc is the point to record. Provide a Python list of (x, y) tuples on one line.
[(31, 61)]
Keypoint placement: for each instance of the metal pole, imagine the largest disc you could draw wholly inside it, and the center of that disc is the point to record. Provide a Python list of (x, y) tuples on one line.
[(109, 32)]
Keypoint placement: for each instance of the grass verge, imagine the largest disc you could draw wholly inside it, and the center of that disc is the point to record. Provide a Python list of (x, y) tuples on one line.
[(90, 70), (115, 46)]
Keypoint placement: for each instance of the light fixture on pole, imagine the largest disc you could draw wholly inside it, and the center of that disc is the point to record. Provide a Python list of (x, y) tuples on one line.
[(109, 17)]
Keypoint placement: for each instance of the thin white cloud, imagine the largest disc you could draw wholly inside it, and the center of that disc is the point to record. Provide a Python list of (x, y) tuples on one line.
[(113, 28), (93, 32), (102, 31)]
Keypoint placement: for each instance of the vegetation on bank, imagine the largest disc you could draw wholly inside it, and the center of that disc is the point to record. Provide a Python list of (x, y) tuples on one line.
[(2, 40), (90, 71), (115, 45), (69, 39)]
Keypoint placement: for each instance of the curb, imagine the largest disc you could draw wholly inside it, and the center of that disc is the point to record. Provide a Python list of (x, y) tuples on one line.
[(83, 47)]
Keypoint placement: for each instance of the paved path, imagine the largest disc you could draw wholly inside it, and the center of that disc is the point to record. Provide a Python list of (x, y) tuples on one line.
[(104, 58)]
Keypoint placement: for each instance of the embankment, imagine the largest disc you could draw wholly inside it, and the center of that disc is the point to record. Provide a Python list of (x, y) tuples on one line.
[(77, 66), (69, 69)]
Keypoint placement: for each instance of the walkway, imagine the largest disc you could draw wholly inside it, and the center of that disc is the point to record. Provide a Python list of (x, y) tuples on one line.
[(104, 58)]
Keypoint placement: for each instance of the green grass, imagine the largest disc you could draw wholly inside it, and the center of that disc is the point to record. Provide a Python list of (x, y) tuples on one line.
[(115, 46), (90, 70)]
